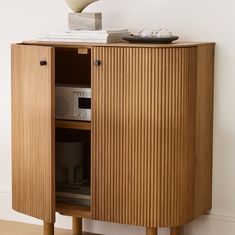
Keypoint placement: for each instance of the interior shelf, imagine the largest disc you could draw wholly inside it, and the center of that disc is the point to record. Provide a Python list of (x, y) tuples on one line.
[(73, 125), (73, 210)]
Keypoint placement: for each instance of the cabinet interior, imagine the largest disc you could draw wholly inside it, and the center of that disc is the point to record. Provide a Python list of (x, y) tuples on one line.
[(73, 138), (72, 67), (73, 135)]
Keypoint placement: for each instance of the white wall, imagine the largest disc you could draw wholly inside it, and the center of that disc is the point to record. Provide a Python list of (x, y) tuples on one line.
[(195, 20)]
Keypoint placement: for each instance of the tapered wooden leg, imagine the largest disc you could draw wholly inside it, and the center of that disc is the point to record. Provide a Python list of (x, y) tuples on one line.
[(177, 231), (48, 228), (77, 226), (151, 231)]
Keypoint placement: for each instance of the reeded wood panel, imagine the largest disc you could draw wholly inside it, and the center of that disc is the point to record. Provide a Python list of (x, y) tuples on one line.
[(33, 131), (143, 135)]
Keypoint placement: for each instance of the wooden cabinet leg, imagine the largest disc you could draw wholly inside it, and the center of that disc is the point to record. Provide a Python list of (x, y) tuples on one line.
[(48, 228), (177, 230), (77, 226), (151, 231)]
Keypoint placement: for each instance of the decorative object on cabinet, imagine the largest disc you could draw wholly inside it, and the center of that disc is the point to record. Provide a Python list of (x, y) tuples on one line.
[(83, 21), (85, 36), (138, 39), (79, 5), (159, 33), (151, 36), (147, 151)]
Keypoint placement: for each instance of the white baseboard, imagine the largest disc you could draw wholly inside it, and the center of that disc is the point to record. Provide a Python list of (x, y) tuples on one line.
[(4, 190), (219, 217), (209, 224)]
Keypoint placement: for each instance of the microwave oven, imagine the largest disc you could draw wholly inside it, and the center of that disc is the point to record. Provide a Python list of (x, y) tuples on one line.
[(73, 102)]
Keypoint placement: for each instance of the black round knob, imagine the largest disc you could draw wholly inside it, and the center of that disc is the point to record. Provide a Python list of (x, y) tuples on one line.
[(43, 62), (97, 62)]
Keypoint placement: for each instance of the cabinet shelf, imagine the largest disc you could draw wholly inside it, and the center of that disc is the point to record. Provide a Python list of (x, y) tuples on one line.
[(87, 233), (73, 125), (73, 210)]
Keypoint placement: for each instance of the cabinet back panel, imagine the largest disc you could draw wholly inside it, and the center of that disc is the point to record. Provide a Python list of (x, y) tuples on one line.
[(72, 68), (143, 135)]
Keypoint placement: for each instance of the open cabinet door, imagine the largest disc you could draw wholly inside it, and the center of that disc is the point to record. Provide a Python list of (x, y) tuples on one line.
[(33, 131)]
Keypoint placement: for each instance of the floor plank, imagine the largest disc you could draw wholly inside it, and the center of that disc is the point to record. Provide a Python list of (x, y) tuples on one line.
[(15, 228)]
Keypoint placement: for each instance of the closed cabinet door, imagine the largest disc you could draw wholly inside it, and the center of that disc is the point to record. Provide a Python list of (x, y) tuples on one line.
[(33, 131), (143, 130)]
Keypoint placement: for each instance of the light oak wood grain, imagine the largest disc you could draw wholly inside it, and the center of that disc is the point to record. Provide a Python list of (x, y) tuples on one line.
[(151, 130), (204, 129), (33, 131), (144, 136), (151, 231), (73, 210), (48, 228), (73, 125), (176, 44), (177, 231), (77, 226), (14, 228)]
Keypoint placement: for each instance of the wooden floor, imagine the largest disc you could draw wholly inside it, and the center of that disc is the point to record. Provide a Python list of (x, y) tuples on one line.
[(14, 228)]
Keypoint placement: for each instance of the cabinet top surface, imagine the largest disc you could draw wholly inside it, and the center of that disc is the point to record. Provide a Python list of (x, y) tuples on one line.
[(72, 45)]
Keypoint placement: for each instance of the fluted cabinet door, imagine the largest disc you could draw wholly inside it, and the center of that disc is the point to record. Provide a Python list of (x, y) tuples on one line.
[(143, 135), (33, 131)]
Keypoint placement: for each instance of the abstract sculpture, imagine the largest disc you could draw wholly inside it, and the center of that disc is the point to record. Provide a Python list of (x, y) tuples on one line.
[(79, 5), (83, 21)]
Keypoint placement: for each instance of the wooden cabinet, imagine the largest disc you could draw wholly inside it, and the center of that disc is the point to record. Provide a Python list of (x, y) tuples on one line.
[(150, 131)]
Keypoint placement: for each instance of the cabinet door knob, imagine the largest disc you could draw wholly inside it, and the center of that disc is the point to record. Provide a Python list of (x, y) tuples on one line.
[(97, 62), (43, 62)]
